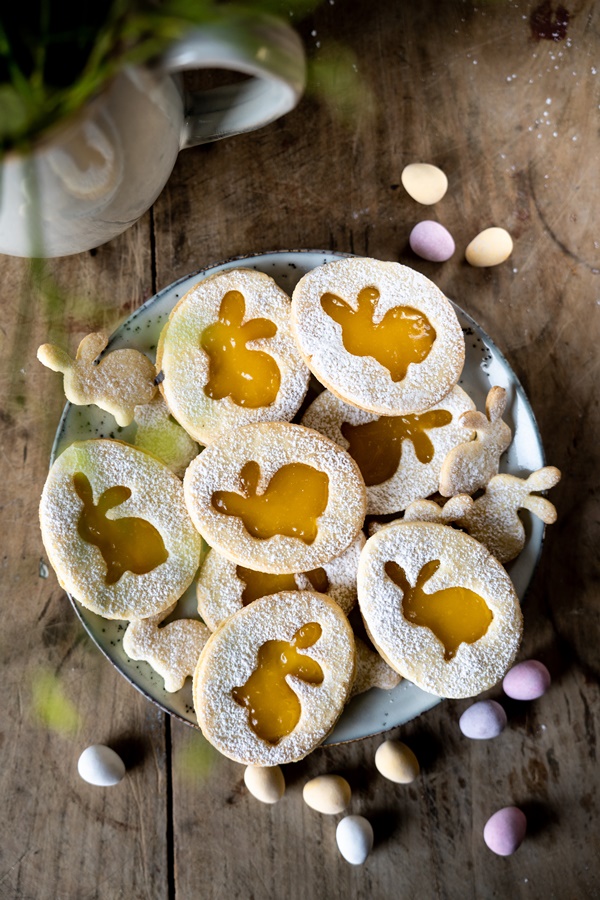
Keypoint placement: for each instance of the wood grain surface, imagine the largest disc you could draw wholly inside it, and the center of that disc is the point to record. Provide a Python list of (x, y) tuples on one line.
[(506, 99)]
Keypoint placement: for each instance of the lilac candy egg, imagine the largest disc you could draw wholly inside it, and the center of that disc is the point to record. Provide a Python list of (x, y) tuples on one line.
[(483, 720), (432, 241), (505, 830), (527, 681)]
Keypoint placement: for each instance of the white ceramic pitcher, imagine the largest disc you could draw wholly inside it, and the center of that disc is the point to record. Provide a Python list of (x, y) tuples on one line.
[(92, 177)]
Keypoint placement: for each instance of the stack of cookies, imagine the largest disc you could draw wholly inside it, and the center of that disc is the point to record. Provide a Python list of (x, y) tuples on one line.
[(282, 505)]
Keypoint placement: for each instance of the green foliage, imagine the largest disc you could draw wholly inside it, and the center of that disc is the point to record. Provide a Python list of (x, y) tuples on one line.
[(55, 56)]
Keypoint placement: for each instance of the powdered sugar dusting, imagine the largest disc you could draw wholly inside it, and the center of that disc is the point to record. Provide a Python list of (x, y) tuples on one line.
[(157, 497), (412, 479), (414, 651), (362, 381), (273, 445), (230, 657), (185, 365)]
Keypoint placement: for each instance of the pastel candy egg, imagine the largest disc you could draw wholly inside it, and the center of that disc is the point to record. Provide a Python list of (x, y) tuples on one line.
[(101, 766), (505, 830), (432, 241), (266, 783), (527, 680), (425, 183), (483, 720), (328, 794), (396, 762), (490, 248), (354, 836)]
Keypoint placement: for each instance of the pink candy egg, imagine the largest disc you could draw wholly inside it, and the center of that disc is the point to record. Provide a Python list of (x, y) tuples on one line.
[(527, 681), (483, 720), (505, 830), (432, 241)]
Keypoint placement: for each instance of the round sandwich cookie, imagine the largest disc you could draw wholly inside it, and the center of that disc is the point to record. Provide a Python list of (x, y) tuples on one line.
[(272, 681), (276, 497), (400, 457), (223, 587), (116, 530), (439, 608), (227, 356), (379, 335)]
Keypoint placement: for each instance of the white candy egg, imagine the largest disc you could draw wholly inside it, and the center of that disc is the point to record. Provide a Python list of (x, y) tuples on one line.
[(354, 836), (483, 720), (328, 794), (266, 783), (101, 766)]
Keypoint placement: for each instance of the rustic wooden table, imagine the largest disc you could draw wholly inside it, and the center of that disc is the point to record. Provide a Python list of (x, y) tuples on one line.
[(507, 101)]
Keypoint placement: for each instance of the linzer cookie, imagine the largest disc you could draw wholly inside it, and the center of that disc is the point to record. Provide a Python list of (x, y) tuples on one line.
[(276, 497), (227, 355), (439, 608), (400, 457), (225, 587), (116, 530), (273, 679), (379, 335)]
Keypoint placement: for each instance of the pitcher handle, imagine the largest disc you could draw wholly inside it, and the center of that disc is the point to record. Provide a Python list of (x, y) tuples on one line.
[(261, 46)]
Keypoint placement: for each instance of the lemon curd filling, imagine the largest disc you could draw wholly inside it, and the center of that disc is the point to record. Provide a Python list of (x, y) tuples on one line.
[(261, 584), (273, 708), (295, 497), (455, 615), (250, 377), (403, 336), (129, 544), (377, 446)]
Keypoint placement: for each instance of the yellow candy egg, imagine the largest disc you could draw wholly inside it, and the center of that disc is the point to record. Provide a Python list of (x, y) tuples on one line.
[(490, 248)]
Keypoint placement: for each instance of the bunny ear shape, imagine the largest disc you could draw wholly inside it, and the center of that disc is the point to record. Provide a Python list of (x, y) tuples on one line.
[(249, 478), (495, 403), (232, 308), (540, 507), (91, 346), (307, 636), (457, 507), (113, 496), (543, 479), (474, 420), (335, 307), (54, 358)]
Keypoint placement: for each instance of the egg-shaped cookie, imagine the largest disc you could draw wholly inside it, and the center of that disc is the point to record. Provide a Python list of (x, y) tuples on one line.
[(227, 356), (379, 335), (400, 457), (276, 497), (273, 679), (117, 531), (223, 587), (439, 608)]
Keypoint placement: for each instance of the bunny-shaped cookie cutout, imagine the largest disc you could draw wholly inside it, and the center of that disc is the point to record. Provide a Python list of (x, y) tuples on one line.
[(430, 511), (128, 544), (493, 518), (159, 434), (118, 383), (455, 615), (469, 466), (403, 336), (250, 377), (273, 707), (172, 650), (291, 504)]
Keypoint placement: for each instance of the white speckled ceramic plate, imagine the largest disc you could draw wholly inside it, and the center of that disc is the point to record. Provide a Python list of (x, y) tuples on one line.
[(376, 710)]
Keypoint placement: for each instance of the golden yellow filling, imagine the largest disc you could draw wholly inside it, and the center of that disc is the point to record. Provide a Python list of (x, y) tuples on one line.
[(261, 584), (294, 499), (273, 707), (455, 615), (250, 377), (377, 446), (403, 336), (129, 544)]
